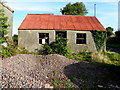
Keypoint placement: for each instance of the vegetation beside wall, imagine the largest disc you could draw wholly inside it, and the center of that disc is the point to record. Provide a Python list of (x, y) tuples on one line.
[(100, 39), (12, 49)]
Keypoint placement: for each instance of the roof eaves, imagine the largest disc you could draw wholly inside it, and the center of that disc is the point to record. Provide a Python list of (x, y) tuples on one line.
[(6, 7)]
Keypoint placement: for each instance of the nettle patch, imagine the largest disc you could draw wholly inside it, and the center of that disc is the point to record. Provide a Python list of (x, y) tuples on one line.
[(100, 38)]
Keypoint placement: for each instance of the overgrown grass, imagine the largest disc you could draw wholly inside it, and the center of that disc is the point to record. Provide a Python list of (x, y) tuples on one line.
[(100, 57)]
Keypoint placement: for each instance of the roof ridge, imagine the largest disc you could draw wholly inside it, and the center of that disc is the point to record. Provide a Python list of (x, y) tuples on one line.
[(42, 14), (59, 15)]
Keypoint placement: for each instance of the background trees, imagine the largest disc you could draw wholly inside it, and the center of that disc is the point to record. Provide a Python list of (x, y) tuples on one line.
[(77, 8)]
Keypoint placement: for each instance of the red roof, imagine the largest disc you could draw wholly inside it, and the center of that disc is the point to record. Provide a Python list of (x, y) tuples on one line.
[(60, 22)]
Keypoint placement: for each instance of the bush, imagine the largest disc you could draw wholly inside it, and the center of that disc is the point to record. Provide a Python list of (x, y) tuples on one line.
[(15, 38), (57, 47)]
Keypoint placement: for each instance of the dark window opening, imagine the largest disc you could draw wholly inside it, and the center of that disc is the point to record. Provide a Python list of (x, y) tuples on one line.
[(61, 34), (43, 38), (81, 38)]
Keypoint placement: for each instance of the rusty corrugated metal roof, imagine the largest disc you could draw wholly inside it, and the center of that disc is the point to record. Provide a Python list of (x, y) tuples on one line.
[(60, 22)]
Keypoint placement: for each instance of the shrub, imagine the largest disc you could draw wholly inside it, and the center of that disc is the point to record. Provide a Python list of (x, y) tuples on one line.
[(57, 47), (15, 38)]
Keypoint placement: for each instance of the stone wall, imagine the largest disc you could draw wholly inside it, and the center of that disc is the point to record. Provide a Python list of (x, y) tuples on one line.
[(29, 39)]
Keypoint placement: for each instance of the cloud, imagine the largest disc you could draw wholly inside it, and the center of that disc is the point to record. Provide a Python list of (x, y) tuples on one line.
[(40, 6)]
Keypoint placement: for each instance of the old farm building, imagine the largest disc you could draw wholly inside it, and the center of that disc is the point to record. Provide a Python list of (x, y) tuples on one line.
[(38, 29)]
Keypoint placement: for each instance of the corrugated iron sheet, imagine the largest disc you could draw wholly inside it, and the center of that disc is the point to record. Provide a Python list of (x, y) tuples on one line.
[(61, 22)]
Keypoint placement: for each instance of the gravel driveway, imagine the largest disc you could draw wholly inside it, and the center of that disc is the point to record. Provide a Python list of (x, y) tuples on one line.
[(31, 71), (25, 71)]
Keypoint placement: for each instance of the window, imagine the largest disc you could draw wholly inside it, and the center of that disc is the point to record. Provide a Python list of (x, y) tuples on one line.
[(61, 33), (43, 38), (81, 38)]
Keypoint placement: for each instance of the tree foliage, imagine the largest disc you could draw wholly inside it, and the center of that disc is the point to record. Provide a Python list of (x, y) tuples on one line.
[(109, 31), (77, 8), (3, 25)]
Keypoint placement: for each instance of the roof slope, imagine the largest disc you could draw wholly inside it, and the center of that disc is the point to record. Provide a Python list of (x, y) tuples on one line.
[(60, 22)]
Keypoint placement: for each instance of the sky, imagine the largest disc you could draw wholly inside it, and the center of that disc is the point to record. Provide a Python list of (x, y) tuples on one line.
[(106, 10)]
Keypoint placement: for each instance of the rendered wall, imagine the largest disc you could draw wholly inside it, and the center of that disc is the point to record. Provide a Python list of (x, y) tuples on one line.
[(9, 14), (89, 46), (29, 39)]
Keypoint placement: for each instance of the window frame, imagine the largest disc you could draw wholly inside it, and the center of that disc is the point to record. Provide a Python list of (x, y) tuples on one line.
[(82, 37), (44, 37)]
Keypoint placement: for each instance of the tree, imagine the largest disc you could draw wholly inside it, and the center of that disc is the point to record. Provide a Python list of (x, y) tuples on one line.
[(3, 25), (77, 8), (109, 31)]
